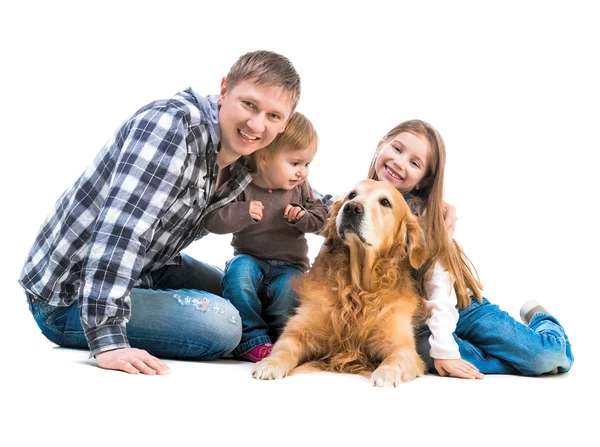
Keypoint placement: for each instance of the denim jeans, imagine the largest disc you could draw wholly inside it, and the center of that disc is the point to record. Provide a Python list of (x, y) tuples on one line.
[(182, 316), (496, 343), (260, 291)]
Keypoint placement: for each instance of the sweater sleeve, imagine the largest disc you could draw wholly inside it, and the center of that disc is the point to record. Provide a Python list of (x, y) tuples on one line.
[(230, 218), (316, 211), (443, 316)]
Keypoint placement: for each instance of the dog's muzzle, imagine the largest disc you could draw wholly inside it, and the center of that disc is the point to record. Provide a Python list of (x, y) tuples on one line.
[(352, 215), (353, 210)]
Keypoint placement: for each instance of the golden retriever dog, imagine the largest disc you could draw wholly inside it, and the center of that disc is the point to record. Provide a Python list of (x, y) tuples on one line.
[(358, 303)]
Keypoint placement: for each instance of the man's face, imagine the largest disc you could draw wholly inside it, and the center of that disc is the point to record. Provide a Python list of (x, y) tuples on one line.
[(250, 117)]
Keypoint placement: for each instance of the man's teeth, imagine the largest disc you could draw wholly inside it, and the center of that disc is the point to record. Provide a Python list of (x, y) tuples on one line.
[(393, 174), (246, 136)]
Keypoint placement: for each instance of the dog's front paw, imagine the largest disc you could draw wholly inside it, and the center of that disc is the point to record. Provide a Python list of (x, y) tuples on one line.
[(387, 376), (268, 369)]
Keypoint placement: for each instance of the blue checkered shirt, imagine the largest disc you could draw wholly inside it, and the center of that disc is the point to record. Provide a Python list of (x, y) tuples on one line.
[(132, 211)]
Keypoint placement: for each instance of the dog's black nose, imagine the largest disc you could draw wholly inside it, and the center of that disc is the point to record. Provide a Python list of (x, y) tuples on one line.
[(353, 208)]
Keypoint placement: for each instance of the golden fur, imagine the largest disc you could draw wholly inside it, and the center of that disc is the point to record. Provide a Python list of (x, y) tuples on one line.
[(358, 302)]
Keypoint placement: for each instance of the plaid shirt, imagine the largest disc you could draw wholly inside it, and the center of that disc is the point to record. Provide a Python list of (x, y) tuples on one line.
[(132, 211)]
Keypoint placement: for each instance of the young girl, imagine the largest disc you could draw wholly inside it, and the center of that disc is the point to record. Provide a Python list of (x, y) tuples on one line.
[(268, 221), (478, 337)]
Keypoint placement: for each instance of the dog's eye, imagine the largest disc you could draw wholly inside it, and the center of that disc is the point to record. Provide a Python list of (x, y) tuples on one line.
[(351, 195), (386, 203)]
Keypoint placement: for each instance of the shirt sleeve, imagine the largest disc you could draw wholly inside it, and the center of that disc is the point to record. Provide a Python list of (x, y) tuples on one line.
[(230, 218), (316, 211), (144, 183), (443, 316)]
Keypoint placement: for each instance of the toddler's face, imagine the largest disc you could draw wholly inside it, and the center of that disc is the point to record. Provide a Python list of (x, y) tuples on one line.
[(403, 161), (288, 168)]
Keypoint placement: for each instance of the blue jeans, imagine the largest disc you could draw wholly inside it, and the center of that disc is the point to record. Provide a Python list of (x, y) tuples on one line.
[(260, 290), (496, 343), (181, 317)]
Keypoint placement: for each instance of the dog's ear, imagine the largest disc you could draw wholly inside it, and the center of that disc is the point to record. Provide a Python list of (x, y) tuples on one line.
[(415, 241), (329, 231), (410, 242)]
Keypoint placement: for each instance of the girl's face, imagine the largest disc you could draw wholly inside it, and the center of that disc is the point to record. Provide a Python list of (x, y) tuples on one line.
[(287, 169), (403, 161)]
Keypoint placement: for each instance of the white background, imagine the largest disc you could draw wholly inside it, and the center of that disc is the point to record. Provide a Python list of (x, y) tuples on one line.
[(512, 87)]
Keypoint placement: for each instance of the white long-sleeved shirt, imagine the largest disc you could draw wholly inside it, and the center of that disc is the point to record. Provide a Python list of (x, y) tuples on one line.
[(442, 314)]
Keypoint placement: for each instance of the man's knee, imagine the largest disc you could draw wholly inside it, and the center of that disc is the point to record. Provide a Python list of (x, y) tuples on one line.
[(220, 334)]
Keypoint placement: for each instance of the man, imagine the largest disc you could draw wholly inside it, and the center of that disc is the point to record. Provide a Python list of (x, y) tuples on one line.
[(105, 270)]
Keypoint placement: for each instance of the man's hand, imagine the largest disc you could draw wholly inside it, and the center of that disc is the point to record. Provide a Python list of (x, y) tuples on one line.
[(457, 368), (132, 361), (256, 209), (450, 219), (293, 213)]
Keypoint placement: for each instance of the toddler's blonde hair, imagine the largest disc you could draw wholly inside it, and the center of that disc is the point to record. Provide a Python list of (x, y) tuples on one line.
[(299, 134)]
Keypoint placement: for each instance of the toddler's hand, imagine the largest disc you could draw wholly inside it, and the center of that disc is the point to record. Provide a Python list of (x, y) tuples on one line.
[(457, 368), (293, 213), (256, 209)]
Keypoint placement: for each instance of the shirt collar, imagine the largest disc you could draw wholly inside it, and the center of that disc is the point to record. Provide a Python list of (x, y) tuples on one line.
[(209, 114)]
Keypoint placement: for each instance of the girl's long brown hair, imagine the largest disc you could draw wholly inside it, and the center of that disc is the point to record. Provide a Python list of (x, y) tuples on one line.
[(429, 198)]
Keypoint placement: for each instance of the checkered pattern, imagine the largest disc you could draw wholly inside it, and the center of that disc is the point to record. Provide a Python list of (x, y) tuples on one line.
[(132, 211)]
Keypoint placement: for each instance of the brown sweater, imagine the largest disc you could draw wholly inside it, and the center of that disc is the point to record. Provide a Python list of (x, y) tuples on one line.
[(273, 237)]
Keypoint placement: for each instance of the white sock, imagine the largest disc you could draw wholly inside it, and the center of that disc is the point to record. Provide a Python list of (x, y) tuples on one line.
[(526, 310)]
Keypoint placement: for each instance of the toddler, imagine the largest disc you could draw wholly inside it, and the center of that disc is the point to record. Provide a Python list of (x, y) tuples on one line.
[(269, 220)]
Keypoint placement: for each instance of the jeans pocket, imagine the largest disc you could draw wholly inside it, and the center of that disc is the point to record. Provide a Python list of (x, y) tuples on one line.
[(43, 311), (48, 319), (52, 314), (29, 303)]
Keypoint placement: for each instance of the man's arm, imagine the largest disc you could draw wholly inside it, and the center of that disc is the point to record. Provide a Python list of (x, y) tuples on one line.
[(144, 183)]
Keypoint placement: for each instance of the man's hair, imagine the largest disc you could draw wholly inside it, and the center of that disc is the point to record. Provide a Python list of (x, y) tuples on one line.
[(299, 134), (268, 69)]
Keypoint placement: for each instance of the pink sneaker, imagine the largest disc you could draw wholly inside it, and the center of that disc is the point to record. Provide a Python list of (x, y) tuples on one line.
[(258, 353)]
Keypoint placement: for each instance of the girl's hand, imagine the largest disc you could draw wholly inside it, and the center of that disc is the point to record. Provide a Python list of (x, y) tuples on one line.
[(256, 209), (457, 367), (293, 213), (450, 219)]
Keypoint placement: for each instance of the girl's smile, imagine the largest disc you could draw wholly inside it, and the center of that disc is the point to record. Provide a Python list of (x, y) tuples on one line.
[(393, 174), (402, 161)]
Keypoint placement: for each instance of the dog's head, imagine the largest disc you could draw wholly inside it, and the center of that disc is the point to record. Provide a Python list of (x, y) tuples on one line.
[(375, 216)]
